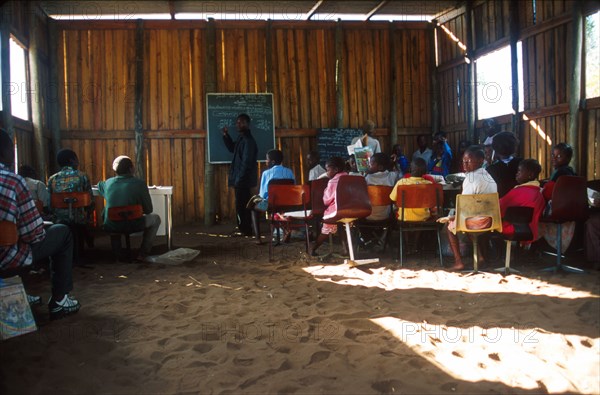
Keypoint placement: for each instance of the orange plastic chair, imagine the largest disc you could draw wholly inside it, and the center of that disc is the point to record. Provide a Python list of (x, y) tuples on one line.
[(70, 200), (122, 214), (419, 196), (379, 196), (9, 234), (569, 203), (352, 199), (284, 198)]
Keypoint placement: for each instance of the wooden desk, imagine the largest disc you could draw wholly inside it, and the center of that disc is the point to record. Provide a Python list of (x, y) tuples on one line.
[(161, 204)]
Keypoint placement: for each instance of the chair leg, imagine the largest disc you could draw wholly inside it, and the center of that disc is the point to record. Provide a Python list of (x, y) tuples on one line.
[(256, 225), (307, 236), (400, 249), (115, 243), (475, 257), (128, 244), (270, 237), (349, 238), (507, 261), (440, 247), (558, 247)]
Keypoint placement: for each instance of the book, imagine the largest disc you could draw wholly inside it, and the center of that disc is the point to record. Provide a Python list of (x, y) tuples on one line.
[(15, 314), (363, 156)]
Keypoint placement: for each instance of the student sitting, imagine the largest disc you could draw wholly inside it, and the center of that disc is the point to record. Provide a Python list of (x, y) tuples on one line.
[(477, 181), (125, 190), (37, 188), (34, 242), (275, 171), (316, 170), (335, 167), (526, 194), (561, 156), (400, 162), (440, 161), (70, 179), (504, 167), (417, 172)]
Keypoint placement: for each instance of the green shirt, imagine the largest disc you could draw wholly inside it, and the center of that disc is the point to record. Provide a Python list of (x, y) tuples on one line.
[(120, 191)]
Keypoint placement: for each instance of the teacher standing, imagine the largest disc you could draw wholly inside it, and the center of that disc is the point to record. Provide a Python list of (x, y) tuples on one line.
[(243, 170)]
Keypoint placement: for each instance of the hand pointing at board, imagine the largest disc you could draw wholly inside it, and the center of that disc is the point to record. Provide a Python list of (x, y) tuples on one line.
[(224, 130)]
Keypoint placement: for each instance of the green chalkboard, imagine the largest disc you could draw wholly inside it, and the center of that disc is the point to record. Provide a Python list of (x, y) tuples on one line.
[(223, 109), (334, 142)]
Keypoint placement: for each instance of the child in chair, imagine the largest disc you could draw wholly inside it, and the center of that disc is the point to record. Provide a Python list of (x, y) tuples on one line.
[(335, 168)]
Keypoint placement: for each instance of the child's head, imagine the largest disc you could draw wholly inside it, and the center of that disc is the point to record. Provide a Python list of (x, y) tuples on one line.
[(313, 158), (379, 162), (397, 150), (67, 157), (334, 165), (27, 171), (528, 170), (438, 148), (505, 144), (122, 165), (490, 127), (418, 167), (422, 141), (439, 136), (463, 145), (274, 157), (369, 127), (561, 154), (473, 158)]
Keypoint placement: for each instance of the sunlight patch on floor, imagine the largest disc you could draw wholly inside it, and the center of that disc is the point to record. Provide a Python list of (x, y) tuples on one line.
[(520, 358), (482, 282)]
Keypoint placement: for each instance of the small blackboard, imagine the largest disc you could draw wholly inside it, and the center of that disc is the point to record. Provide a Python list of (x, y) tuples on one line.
[(334, 142), (222, 109)]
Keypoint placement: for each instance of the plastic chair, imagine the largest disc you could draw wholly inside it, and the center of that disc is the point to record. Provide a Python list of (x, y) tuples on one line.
[(317, 207), (420, 196), (70, 200), (469, 207), (124, 214), (285, 198), (569, 203), (520, 218), (379, 196), (254, 214), (9, 234), (352, 199)]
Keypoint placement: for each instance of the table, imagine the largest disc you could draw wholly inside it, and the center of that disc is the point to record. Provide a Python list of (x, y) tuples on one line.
[(161, 204), (450, 193)]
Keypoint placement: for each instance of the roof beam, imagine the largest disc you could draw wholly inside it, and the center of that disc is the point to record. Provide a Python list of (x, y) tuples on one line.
[(313, 10), (376, 9), (172, 9)]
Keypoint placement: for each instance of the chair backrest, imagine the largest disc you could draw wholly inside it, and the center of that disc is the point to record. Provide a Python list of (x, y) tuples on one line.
[(288, 196), (420, 196), (281, 181), (8, 233), (317, 189), (569, 199), (352, 198), (77, 199), (471, 207), (379, 195), (125, 213)]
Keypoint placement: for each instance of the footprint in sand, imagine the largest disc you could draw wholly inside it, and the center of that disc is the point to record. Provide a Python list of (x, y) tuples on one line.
[(449, 387), (243, 361), (202, 348), (319, 356), (388, 386)]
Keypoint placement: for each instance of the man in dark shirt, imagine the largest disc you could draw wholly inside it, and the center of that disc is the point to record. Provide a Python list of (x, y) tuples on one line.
[(243, 170)]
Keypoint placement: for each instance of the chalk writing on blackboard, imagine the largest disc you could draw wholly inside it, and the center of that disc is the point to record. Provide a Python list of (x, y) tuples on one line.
[(223, 109), (334, 142)]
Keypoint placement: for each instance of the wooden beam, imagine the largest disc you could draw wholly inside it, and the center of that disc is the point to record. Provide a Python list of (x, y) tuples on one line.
[(210, 85), (435, 85), (53, 107), (172, 9), (339, 72), (393, 90), (513, 21), (575, 94), (471, 93), (269, 54), (376, 9), (35, 87), (140, 162), (7, 121), (313, 10)]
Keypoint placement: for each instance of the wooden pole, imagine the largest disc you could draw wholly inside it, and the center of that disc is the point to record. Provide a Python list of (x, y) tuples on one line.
[(513, 21), (575, 94), (36, 93), (393, 88), (53, 88), (339, 72), (210, 85), (470, 91), (269, 60), (139, 95), (7, 121), (435, 84)]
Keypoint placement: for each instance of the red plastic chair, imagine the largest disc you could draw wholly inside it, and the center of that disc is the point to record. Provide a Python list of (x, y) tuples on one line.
[(70, 200), (9, 234), (124, 214), (569, 203), (284, 198)]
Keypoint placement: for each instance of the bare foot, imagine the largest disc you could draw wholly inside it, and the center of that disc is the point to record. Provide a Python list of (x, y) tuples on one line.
[(457, 266)]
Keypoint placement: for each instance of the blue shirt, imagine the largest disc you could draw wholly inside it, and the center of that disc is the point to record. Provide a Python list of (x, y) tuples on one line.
[(275, 172)]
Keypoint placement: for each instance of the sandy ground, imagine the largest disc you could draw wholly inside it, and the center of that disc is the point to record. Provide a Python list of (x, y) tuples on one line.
[(231, 322)]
